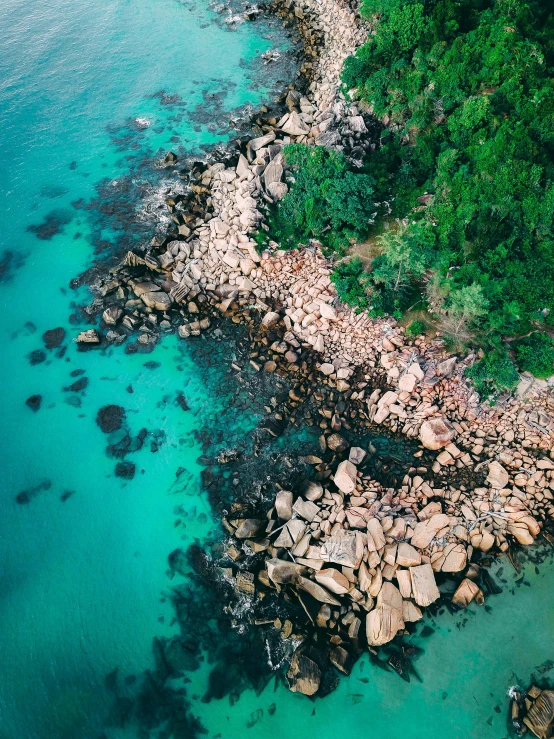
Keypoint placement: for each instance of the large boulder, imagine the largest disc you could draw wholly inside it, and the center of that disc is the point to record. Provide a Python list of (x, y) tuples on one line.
[(156, 300), (304, 675), (283, 504), (498, 477), (341, 549), (333, 580), (436, 433), (317, 591), (281, 572), (540, 717), (425, 531), (466, 592), (345, 477), (271, 319), (248, 528), (424, 587), (407, 555), (382, 625)]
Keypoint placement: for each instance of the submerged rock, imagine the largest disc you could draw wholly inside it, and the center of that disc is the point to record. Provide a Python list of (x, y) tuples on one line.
[(125, 470), (110, 418), (37, 356), (33, 402), (53, 338)]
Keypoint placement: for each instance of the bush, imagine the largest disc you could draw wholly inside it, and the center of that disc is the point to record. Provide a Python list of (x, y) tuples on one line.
[(416, 328), (352, 284), (325, 201), (493, 375), (535, 354)]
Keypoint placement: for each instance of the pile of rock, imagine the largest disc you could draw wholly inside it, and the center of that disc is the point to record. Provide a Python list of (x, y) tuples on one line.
[(533, 710)]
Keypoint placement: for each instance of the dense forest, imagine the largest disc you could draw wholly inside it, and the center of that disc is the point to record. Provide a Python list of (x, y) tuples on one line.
[(458, 205)]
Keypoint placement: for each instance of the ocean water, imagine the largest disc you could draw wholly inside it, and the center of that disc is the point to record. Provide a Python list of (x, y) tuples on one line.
[(91, 94)]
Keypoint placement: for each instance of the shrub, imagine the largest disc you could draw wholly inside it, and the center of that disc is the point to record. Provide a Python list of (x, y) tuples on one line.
[(352, 284), (416, 328), (325, 201), (493, 375), (535, 354)]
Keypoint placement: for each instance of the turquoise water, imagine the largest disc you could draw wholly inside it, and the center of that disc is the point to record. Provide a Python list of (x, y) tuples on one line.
[(84, 580)]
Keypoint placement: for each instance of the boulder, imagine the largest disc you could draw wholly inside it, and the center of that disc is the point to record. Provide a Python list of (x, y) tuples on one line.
[(540, 717), (333, 580), (382, 625), (389, 595), (249, 528), (326, 368), (313, 491), (317, 591), (407, 555), (356, 455), (424, 587), (345, 477), (340, 659), (446, 367), (144, 287), (304, 675), (90, 336), (337, 443), (466, 591), (156, 300), (328, 312), (281, 572), (341, 549), (283, 504), (271, 319), (497, 478), (425, 531), (436, 433), (273, 172), (455, 560), (306, 509), (295, 126), (521, 533), (407, 383), (410, 612), (375, 530), (261, 141), (112, 315)]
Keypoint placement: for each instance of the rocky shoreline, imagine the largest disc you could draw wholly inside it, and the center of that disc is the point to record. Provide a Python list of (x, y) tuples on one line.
[(358, 557)]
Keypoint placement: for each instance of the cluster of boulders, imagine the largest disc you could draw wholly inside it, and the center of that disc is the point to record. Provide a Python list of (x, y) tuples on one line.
[(533, 710), (362, 558), (365, 554)]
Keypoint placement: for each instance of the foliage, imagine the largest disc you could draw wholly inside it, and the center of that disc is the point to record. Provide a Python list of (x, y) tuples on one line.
[(325, 201), (468, 90), (493, 375), (415, 328), (352, 284), (535, 354)]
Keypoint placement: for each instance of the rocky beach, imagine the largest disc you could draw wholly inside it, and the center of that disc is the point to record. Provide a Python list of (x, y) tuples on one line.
[(341, 556)]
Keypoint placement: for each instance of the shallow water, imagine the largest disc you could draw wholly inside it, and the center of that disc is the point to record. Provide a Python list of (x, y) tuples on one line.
[(84, 577)]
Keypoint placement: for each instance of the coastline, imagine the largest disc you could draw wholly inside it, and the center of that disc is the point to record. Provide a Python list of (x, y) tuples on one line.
[(483, 477)]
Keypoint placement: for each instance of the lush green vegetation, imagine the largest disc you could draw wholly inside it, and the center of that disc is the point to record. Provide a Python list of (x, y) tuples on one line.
[(352, 283), (415, 328), (466, 90), (326, 201), (535, 354), (494, 374)]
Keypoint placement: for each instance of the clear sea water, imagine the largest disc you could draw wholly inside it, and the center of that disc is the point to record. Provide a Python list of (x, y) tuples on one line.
[(83, 563)]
